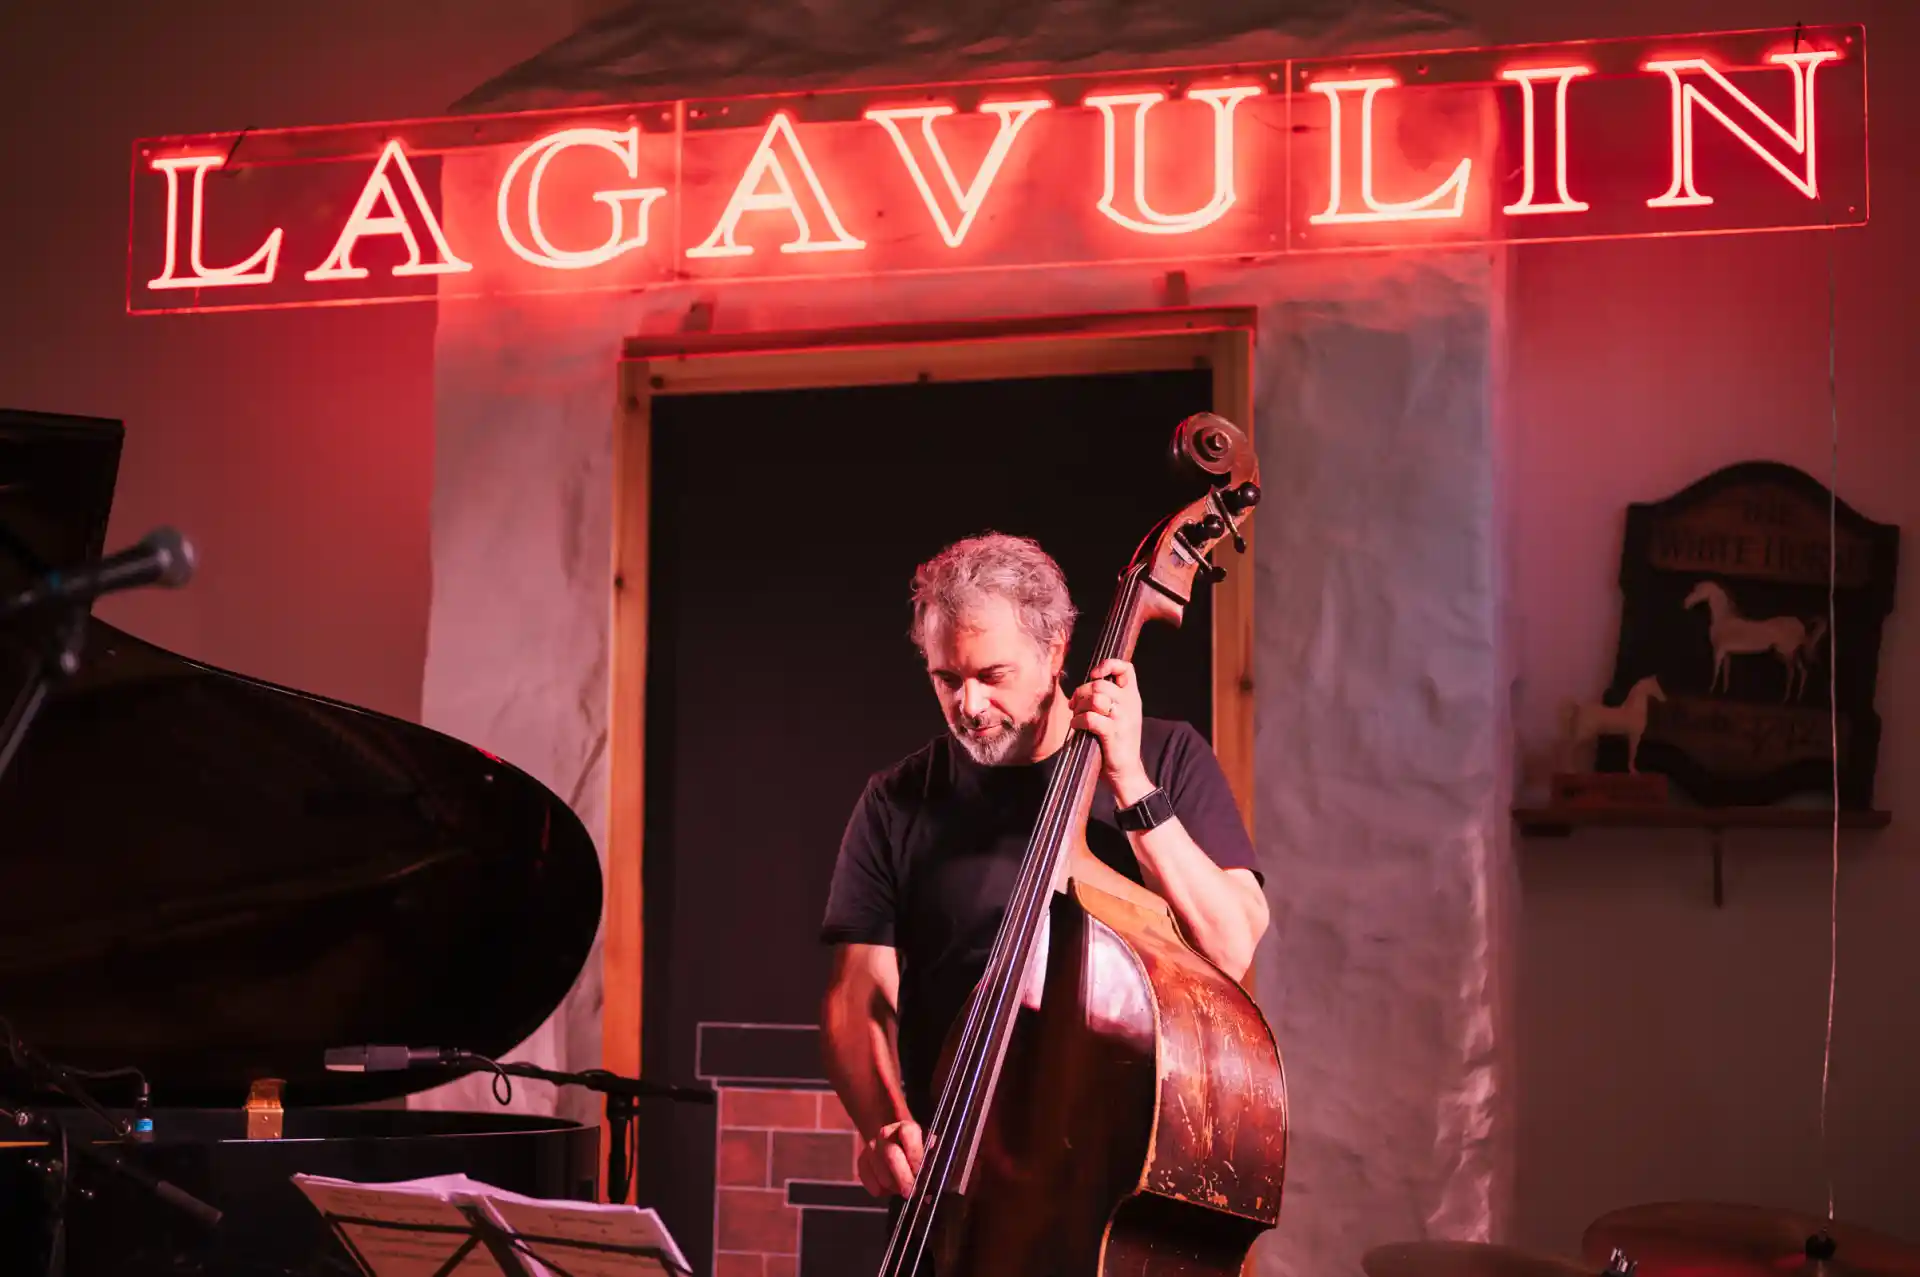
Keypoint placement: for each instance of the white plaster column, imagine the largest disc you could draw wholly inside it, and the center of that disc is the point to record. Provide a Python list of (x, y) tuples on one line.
[(1381, 755)]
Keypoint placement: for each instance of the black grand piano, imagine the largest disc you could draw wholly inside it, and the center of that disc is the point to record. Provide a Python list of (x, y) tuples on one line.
[(213, 880)]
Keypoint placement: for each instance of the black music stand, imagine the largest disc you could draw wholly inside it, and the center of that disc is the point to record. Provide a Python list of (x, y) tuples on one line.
[(506, 1247)]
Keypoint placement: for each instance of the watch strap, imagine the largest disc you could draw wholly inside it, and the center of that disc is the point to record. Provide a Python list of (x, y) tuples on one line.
[(1154, 809)]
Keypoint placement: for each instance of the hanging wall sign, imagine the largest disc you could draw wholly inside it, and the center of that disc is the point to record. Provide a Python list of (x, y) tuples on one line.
[(1726, 635), (1677, 135)]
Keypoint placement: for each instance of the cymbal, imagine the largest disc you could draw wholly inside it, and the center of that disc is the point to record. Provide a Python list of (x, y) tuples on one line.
[(1718, 1239), (1466, 1259)]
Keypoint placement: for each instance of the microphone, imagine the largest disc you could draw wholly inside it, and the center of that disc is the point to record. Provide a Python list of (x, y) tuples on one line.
[(162, 557), (389, 1059)]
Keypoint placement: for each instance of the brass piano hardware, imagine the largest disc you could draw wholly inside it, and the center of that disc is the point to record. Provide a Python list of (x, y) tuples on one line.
[(265, 1117)]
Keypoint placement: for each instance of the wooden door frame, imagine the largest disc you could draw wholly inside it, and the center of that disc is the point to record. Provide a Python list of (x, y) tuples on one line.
[(708, 363)]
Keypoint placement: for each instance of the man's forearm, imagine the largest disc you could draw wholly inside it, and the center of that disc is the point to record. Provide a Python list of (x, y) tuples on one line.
[(1223, 914), (1220, 912), (859, 1056)]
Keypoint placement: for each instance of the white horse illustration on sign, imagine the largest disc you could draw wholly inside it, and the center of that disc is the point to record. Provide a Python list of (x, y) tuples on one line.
[(1628, 719), (1732, 634)]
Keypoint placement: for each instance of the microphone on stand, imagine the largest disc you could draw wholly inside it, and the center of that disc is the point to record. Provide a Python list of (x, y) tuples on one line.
[(162, 557), (389, 1059), (623, 1093)]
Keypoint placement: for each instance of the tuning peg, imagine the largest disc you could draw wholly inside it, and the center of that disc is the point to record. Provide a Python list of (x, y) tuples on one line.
[(1212, 572), (1230, 503), (1244, 497), (1201, 533)]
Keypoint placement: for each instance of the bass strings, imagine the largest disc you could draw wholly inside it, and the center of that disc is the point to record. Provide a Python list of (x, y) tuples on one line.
[(914, 1228)]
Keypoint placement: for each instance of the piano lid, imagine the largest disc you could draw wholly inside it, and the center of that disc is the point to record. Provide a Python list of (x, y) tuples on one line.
[(214, 879)]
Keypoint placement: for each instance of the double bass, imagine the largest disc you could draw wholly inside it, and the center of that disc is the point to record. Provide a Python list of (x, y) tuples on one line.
[(1111, 1104)]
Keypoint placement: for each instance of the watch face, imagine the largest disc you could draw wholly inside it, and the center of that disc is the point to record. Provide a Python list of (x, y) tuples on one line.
[(1154, 809)]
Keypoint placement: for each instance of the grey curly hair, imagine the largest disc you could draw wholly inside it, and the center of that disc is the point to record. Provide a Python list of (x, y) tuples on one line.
[(960, 577)]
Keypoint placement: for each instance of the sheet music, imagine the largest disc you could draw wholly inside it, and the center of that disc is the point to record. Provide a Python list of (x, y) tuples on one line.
[(600, 1223), (393, 1253)]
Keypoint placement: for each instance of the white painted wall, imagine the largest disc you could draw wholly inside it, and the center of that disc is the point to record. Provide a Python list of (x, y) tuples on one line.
[(1666, 1049)]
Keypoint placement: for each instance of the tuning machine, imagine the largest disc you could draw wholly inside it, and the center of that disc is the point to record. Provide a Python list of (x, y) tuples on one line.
[(1198, 537), (1241, 499), (1201, 533), (1232, 503)]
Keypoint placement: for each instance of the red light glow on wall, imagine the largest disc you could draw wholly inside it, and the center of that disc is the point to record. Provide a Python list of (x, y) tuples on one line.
[(1703, 134)]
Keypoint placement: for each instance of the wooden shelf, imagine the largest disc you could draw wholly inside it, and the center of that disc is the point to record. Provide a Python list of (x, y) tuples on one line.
[(1559, 822), (1554, 822)]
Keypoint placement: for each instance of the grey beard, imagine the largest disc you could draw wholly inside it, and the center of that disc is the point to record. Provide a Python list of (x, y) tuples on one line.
[(990, 753), (1022, 737)]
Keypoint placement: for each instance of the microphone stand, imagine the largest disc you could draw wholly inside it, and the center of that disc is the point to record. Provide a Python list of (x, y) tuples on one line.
[(58, 660), (164, 556), (623, 1096), (45, 1075)]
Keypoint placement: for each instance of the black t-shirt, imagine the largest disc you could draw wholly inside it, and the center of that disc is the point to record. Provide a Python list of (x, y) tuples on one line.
[(933, 849)]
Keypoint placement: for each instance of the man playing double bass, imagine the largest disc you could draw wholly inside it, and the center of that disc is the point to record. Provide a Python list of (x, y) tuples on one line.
[(934, 844)]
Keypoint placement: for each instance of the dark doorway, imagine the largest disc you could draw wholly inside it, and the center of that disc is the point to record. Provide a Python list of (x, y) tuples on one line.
[(785, 529)]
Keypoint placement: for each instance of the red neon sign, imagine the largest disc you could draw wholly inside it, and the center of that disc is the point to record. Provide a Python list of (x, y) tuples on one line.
[(622, 146), (1012, 115), (1688, 95), (1528, 78), (258, 268), (400, 220), (1709, 134)]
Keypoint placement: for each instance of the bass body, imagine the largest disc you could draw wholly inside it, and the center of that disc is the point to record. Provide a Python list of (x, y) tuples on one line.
[(1139, 1127)]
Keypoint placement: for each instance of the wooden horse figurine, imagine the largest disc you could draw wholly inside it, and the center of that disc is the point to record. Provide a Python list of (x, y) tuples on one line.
[(1629, 719)]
